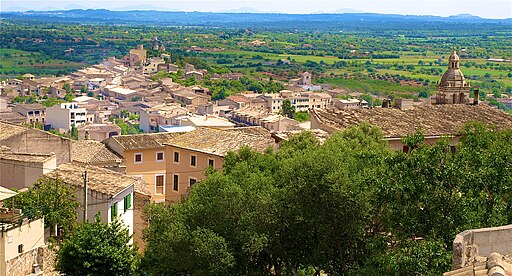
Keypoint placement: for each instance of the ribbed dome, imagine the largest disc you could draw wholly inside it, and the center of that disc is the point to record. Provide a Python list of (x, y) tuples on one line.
[(452, 77)]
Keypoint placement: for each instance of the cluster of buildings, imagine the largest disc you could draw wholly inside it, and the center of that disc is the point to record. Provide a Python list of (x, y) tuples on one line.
[(118, 87), (186, 134)]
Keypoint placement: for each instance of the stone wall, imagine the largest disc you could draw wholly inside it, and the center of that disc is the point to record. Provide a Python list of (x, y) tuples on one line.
[(139, 218), (38, 141), (469, 245), (23, 264)]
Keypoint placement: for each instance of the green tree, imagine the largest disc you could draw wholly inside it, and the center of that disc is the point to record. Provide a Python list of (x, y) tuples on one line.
[(69, 97), (66, 86), (124, 113), (287, 109), (98, 249), (51, 198), (83, 89), (303, 207)]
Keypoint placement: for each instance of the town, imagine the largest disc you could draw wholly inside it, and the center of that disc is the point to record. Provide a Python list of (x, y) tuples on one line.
[(148, 145)]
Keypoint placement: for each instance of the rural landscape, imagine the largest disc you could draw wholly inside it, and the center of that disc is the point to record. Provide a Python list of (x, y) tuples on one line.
[(148, 142)]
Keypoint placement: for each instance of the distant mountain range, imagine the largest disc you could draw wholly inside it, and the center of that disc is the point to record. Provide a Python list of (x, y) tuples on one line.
[(248, 17)]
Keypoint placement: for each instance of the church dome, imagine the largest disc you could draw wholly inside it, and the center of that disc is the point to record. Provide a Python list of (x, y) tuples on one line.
[(452, 77)]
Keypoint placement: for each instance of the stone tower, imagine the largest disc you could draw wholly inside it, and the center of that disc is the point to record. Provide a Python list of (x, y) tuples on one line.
[(453, 88)]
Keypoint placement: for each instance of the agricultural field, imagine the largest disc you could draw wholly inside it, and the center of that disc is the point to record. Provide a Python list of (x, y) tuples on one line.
[(397, 61), (17, 62)]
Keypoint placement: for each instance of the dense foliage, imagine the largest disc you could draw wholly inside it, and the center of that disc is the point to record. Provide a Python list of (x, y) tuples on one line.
[(51, 198), (97, 249), (348, 206)]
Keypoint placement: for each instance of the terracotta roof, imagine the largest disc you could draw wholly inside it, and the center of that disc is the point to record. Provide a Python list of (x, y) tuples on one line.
[(144, 141), (92, 152), (9, 129), (13, 117), (494, 264), (239, 99), (252, 130), (434, 120), (25, 157), (34, 106), (219, 142), (101, 180), (100, 127)]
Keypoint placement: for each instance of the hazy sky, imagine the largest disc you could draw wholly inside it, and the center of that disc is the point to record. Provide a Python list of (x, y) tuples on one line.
[(486, 9)]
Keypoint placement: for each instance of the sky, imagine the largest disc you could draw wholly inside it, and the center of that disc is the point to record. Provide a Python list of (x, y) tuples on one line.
[(487, 9)]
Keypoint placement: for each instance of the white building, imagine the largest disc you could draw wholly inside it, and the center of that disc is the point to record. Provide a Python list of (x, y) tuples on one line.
[(210, 121), (301, 101), (20, 240), (63, 116), (119, 92), (109, 193), (164, 114)]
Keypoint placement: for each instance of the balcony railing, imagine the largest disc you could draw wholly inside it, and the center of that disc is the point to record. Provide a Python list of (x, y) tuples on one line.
[(10, 218)]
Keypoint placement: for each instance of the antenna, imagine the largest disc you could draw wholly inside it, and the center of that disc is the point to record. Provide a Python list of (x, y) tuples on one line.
[(85, 195)]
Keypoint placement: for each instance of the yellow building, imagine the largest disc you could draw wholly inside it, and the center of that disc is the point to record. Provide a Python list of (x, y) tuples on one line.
[(189, 155), (144, 156)]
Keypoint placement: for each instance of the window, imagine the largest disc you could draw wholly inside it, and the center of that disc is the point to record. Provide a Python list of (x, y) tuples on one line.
[(175, 182), (113, 211), (453, 149), (20, 248), (192, 181), (159, 184), (138, 158), (127, 202), (176, 157), (160, 156), (405, 149), (211, 163), (193, 160)]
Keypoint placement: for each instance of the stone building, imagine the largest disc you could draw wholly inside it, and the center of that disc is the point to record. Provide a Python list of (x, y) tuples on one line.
[(435, 121), (485, 251), (453, 88), (30, 140)]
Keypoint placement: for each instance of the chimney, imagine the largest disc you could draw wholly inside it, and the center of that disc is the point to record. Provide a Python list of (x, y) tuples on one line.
[(476, 96), (386, 103)]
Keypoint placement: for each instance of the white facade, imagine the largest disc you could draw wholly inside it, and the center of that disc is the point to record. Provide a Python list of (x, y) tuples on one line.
[(106, 204), (63, 116), (302, 101), (123, 206)]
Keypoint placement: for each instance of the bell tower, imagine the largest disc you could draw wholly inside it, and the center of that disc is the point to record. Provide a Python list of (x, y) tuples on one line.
[(453, 88)]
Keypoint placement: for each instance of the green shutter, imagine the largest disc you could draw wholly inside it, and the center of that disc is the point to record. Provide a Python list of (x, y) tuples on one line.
[(113, 211), (127, 202)]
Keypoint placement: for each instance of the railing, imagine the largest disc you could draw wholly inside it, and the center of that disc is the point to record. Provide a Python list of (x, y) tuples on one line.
[(10, 218)]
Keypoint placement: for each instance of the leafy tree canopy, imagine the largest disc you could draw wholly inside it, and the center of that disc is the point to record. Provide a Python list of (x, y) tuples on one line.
[(98, 249)]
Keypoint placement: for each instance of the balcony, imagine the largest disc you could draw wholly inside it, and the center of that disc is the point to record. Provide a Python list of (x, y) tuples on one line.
[(10, 218)]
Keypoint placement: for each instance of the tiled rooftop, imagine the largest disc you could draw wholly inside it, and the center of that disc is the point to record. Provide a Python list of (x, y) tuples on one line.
[(493, 265), (434, 120), (101, 180), (100, 127), (144, 141), (8, 130), (219, 142), (92, 152), (25, 157)]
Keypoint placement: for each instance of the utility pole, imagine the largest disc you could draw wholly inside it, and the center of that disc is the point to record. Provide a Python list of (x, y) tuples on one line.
[(85, 196)]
